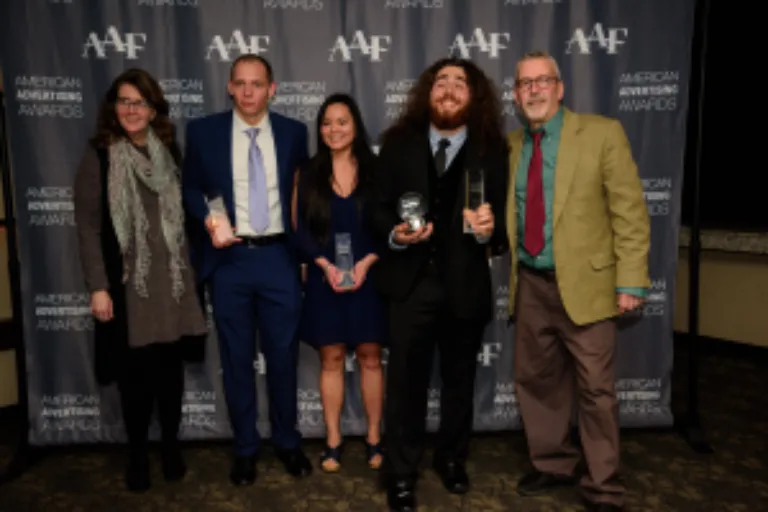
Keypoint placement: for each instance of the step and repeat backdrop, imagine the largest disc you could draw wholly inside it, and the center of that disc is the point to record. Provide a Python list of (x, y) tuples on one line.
[(623, 58)]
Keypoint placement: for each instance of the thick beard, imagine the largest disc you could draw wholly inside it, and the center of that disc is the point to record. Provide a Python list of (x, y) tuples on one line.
[(536, 112), (450, 122)]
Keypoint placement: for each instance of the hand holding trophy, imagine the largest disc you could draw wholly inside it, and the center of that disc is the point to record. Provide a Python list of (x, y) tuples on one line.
[(345, 261), (218, 225), (412, 208), (478, 217)]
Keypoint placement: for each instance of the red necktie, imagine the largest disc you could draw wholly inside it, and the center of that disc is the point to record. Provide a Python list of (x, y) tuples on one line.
[(534, 201)]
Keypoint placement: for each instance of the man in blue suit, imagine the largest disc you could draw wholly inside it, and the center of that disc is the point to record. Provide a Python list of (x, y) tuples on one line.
[(248, 157)]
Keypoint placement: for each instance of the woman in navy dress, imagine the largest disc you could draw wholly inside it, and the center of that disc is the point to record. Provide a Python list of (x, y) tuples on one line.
[(330, 204)]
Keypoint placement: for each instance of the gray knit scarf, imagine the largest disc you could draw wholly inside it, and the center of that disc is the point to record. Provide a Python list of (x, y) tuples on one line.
[(128, 166)]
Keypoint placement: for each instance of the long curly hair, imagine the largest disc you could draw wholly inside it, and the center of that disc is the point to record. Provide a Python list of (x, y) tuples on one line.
[(108, 128), (484, 121)]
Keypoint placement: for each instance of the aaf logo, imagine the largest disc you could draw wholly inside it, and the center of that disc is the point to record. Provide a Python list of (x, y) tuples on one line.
[(373, 48), (491, 43), (489, 352), (237, 45), (609, 40), (130, 44)]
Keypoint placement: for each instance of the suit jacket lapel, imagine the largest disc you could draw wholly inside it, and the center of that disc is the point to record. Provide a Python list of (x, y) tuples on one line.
[(284, 174), (281, 151), (515, 148), (422, 165), (567, 161), (470, 161), (225, 176)]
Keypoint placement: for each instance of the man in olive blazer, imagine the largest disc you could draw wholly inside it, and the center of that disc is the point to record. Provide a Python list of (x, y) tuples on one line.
[(579, 235)]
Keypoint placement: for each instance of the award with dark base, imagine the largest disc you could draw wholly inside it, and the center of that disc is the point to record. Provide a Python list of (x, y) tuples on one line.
[(474, 188), (345, 260), (412, 209), (222, 228)]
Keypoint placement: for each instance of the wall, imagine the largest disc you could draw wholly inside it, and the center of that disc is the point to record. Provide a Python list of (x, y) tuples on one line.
[(734, 296)]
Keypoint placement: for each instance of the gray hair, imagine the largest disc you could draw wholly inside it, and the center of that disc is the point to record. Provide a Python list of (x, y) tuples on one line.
[(538, 54)]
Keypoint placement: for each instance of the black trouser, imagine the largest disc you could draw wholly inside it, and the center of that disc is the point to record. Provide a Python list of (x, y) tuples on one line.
[(152, 375), (418, 325)]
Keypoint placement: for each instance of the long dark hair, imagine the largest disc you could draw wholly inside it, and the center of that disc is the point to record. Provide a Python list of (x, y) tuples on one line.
[(108, 128), (316, 179), (484, 122)]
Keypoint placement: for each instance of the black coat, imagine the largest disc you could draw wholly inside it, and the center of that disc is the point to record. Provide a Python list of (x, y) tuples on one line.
[(111, 338), (405, 161)]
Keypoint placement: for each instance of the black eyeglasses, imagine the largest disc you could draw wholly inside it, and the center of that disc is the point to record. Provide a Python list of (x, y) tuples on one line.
[(543, 82), (128, 103)]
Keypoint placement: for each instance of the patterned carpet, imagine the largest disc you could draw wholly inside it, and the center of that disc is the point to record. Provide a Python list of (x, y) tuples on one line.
[(662, 472)]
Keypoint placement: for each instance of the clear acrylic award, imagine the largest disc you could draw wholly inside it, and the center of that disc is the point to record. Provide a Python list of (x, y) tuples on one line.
[(345, 260), (412, 209), (222, 227), (474, 188)]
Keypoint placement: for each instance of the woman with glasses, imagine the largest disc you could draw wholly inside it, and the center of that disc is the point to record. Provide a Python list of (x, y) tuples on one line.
[(133, 249)]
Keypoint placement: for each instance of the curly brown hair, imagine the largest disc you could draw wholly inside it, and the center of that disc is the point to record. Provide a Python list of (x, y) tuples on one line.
[(108, 128), (484, 121)]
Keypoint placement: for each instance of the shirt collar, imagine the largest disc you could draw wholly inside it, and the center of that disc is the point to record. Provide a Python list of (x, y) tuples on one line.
[(241, 126), (457, 139)]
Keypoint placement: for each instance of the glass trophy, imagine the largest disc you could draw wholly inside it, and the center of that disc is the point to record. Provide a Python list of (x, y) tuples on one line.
[(412, 209), (222, 227), (345, 260), (474, 193)]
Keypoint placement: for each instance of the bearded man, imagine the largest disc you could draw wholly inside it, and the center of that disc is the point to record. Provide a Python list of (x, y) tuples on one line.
[(436, 276)]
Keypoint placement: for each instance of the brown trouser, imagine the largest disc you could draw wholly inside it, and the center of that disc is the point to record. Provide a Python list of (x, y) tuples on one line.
[(552, 354)]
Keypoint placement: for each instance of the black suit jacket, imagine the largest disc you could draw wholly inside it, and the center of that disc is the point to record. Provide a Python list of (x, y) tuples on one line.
[(403, 166)]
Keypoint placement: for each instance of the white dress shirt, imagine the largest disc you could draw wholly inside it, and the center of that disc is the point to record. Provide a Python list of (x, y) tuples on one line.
[(241, 144)]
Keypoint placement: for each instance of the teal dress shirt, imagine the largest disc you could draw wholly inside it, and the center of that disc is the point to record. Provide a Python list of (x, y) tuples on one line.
[(550, 142)]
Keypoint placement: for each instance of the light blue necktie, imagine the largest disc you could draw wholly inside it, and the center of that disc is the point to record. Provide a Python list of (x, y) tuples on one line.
[(258, 203)]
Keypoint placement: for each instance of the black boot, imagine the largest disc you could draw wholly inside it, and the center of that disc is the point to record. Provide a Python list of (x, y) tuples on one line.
[(137, 473), (137, 400), (169, 390), (174, 468)]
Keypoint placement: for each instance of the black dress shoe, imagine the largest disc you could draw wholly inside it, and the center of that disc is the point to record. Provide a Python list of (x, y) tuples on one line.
[(243, 471), (296, 463), (453, 475), (538, 482), (137, 473), (174, 468), (400, 496)]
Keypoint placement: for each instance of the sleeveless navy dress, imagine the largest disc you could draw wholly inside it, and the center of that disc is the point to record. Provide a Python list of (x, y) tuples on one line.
[(328, 317)]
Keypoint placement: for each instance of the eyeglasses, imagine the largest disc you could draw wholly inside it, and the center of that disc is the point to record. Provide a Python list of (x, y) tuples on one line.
[(127, 103), (542, 82)]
